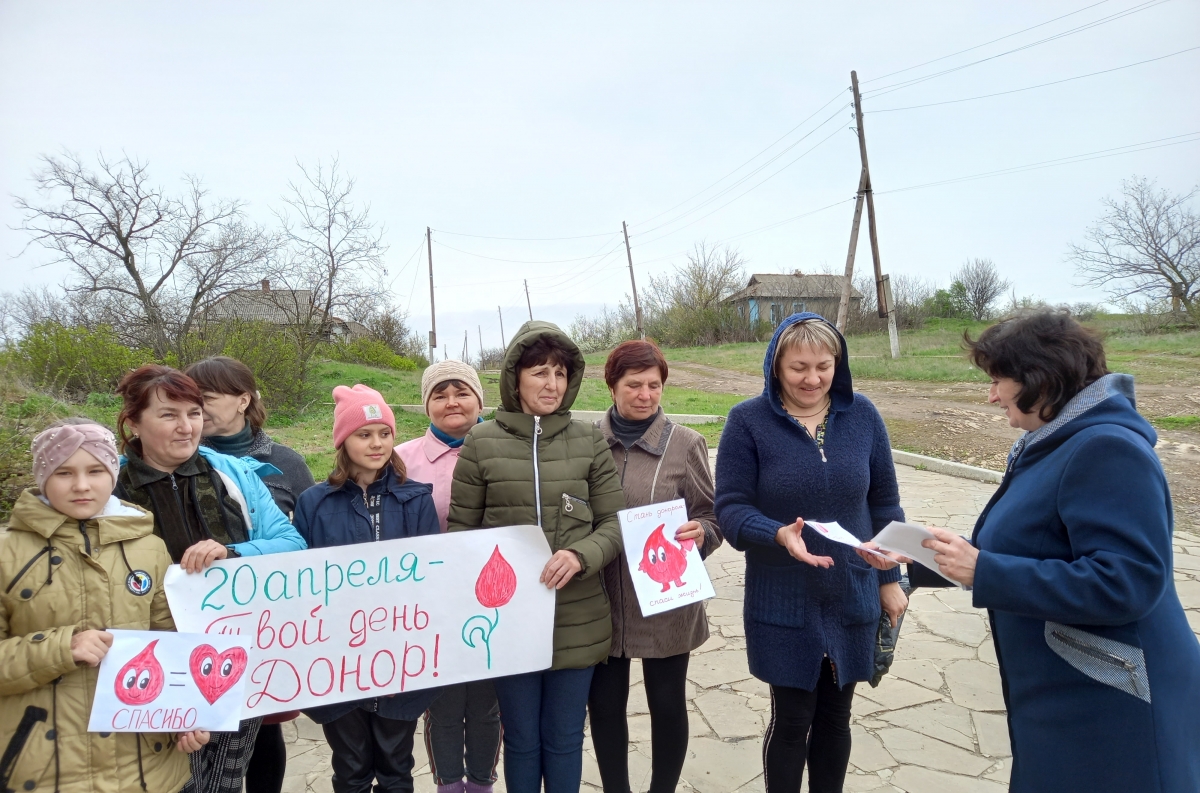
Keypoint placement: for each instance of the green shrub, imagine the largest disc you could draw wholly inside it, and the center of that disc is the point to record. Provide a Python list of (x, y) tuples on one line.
[(369, 352), (75, 361)]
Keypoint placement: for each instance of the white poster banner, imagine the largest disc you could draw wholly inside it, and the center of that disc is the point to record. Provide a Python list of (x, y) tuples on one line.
[(350, 622), (666, 574), (157, 681)]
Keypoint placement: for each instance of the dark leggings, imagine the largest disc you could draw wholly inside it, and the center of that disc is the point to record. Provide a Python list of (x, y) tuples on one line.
[(664, 679), (812, 725), (269, 761)]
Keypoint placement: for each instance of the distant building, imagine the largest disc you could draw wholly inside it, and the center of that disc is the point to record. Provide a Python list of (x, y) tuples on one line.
[(279, 307), (771, 297)]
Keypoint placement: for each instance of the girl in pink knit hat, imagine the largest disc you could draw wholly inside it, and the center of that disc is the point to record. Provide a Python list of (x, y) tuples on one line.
[(367, 498)]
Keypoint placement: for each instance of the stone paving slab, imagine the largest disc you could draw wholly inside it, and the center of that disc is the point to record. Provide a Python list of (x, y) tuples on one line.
[(934, 725)]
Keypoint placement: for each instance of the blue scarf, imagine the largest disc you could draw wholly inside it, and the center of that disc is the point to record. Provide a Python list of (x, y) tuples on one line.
[(450, 440)]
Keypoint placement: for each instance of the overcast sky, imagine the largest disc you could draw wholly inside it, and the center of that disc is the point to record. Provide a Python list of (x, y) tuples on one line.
[(563, 119)]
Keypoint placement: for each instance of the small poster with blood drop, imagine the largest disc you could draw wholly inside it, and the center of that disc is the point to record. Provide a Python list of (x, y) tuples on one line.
[(667, 573), (157, 681)]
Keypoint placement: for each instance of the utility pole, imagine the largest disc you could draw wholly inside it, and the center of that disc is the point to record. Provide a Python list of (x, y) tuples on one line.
[(848, 280), (882, 294), (432, 312), (637, 307), (480, 328), (527, 303), (464, 352), (503, 343)]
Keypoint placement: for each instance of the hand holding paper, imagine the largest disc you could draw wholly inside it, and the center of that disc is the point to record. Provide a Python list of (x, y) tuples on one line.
[(834, 531), (909, 539), (789, 537)]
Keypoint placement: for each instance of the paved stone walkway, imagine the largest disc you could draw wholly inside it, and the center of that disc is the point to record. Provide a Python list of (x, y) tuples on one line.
[(934, 725)]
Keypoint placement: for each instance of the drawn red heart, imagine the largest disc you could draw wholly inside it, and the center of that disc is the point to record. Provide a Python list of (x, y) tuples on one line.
[(214, 672)]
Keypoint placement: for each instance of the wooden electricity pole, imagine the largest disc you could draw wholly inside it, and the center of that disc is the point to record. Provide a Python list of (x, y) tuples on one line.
[(882, 293), (848, 281), (528, 305), (637, 307), (503, 343), (480, 329), (432, 312)]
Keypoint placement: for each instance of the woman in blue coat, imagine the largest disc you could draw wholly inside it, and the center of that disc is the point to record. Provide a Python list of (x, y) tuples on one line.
[(1072, 559), (808, 448), (368, 498)]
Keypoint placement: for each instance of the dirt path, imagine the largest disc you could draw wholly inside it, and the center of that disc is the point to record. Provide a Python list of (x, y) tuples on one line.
[(954, 421)]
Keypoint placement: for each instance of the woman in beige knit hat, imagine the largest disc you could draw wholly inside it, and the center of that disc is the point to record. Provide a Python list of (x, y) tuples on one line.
[(464, 721)]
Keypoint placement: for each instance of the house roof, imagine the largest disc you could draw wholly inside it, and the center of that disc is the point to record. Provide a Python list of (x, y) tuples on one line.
[(278, 306), (795, 286)]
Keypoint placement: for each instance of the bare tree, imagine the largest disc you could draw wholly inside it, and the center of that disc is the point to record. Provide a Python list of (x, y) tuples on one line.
[(335, 250), (121, 234), (982, 286), (710, 276), (1147, 244)]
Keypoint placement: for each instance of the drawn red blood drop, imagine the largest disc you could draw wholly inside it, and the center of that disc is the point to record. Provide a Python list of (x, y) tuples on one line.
[(496, 583), (141, 680)]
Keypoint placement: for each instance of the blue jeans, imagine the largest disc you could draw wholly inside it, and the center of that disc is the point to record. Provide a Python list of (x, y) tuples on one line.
[(543, 714)]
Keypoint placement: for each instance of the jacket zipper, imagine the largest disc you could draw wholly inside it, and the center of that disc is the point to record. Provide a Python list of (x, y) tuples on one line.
[(537, 475), (624, 465), (87, 541), (1100, 655)]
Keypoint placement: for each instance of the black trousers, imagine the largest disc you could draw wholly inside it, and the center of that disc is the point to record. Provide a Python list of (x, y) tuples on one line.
[(812, 726), (665, 681), (269, 761), (367, 747)]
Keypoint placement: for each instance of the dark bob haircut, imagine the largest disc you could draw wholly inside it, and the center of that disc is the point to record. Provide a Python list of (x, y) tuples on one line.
[(547, 349), (224, 375), (1051, 355), (137, 387), (633, 356)]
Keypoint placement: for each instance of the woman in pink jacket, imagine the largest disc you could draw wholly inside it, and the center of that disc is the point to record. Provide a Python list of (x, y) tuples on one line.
[(464, 721)]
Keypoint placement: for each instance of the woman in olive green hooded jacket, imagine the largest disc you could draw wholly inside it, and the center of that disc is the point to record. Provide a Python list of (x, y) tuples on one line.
[(532, 464)]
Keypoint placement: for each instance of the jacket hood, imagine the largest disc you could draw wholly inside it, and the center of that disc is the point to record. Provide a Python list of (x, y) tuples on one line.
[(526, 335), (1109, 400), (841, 391), (509, 415), (117, 522)]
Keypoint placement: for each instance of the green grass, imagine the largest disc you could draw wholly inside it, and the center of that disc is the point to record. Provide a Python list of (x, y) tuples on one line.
[(935, 354), (1177, 422), (594, 395)]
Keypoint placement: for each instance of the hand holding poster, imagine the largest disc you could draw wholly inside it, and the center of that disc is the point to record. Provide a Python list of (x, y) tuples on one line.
[(156, 681), (351, 622), (666, 574)]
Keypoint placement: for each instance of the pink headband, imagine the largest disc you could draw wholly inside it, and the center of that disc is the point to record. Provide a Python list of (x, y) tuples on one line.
[(52, 447)]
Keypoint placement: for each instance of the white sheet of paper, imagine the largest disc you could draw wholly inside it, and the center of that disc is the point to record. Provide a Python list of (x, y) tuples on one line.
[(158, 681), (834, 531), (906, 539), (350, 622), (665, 574)]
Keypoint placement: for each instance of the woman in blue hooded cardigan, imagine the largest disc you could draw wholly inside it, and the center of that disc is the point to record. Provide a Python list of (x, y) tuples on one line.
[(808, 448), (1072, 559)]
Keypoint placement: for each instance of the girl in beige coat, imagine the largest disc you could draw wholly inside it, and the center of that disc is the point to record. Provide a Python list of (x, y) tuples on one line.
[(67, 574)]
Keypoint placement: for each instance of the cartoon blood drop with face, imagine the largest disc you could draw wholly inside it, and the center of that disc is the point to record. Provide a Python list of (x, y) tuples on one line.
[(662, 561), (141, 680)]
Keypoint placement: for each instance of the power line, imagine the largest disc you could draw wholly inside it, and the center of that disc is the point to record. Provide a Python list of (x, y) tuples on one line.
[(747, 162), (740, 195), (984, 44), (887, 89), (524, 239), (404, 266), (1074, 158), (726, 190), (1032, 87), (520, 261)]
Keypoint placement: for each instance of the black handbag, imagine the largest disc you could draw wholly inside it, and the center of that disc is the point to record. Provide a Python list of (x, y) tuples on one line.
[(887, 637)]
